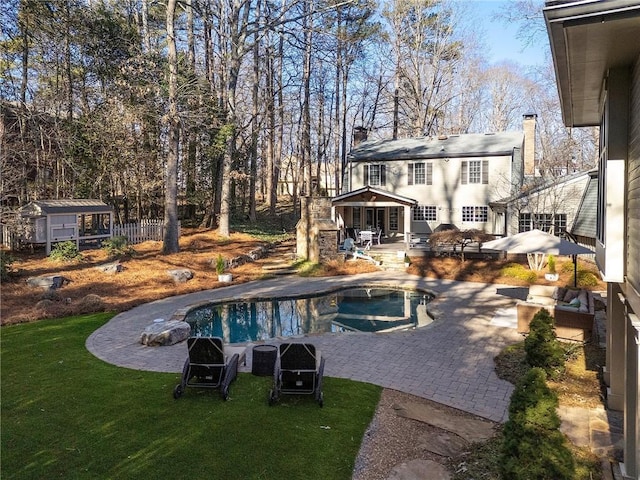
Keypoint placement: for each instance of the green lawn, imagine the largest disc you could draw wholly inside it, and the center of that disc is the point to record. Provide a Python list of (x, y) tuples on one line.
[(66, 414)]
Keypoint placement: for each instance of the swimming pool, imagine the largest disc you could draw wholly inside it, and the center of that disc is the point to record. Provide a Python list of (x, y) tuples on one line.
[(353, 309)]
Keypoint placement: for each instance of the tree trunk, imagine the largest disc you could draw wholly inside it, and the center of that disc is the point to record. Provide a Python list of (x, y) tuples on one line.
[(170, 241)]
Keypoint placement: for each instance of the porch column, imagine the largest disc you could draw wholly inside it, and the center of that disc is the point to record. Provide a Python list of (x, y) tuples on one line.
[(407, 222), (630, 468), (615, 354)]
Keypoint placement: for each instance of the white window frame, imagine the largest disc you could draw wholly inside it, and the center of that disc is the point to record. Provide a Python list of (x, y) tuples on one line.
[(475, 214), (424, 213)]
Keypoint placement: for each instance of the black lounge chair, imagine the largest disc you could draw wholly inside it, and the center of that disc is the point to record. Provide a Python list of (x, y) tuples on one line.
[(299, 370), (206, 366)]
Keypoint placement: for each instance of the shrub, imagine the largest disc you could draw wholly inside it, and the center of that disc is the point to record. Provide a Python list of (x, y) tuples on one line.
[(586, 279), (516, 270), (551, 264), (533, 448), (220, 265), (5, 265), (541, 346), (65, 252), (118, 247)]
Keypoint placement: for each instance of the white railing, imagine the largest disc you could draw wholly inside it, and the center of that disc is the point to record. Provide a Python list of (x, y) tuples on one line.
[(8, 237), (142, 231)]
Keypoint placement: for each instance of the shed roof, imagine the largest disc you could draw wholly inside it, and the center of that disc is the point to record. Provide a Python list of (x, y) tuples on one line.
[(74, 205), (466, 145), (585, 222)]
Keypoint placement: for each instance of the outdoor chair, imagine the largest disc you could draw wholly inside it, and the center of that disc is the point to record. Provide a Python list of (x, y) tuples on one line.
[(299, 370), (206, 366)]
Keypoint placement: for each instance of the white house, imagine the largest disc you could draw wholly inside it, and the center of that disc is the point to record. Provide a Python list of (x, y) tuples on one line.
[(596, 55), (415, 185)]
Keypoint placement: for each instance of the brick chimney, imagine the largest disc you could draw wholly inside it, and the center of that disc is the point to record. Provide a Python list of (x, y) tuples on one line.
[(529, 128), (359, 136)]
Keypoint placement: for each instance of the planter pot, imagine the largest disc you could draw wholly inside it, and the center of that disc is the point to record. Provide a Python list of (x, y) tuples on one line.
[(552, 277), (406, 264), (225, 277)]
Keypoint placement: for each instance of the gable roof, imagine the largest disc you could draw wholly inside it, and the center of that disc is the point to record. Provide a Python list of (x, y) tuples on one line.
[(369, 194), (76, 205), (533, 189), (467, 145)]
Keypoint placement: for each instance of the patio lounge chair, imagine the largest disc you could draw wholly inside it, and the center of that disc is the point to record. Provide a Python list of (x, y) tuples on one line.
[(349, 248), (299, 370), (206, 366)]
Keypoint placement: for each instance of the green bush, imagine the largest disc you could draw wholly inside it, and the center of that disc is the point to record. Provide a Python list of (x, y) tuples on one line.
[(65, 252), (5, 265), (541, 346), (586, 279), (118, 247), (533, 448), (516, 270), (551, 264)]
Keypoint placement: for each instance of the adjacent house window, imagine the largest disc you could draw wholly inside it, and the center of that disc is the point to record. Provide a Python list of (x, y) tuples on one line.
[(375, 175), (524, 222), (393, 219), (475, 214), (425, 213), (547, 222), (420, 174), (474, 171)]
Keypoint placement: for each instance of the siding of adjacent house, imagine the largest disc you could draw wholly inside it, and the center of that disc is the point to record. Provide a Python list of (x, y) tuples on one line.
[(633, 195)]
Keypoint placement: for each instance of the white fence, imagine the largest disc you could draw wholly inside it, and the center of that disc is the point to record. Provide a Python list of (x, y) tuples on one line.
[(137, 232), (8, 237), (142, 231)]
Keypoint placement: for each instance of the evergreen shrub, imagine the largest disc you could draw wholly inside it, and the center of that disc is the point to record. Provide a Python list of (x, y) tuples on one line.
[(65, 252), (118, 247), (541, 346), (533, 447)]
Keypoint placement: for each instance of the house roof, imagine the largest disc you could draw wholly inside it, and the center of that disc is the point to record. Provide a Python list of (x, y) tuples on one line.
[(48, 207), (587, 38), (369, 194), (467, 145), (585, 222), (532, 190)]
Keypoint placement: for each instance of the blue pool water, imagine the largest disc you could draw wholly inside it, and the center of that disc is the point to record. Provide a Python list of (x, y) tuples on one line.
[(354, 309)]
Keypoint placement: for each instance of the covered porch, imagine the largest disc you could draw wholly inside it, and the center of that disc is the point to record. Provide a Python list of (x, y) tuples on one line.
[(386, 215)]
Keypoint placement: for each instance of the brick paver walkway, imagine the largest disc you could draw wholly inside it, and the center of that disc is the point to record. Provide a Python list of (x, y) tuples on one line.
[(449, 361)]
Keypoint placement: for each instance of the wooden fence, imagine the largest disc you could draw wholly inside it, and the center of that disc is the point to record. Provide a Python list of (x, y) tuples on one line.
[(8, 237), (142, 231), (137, 232)]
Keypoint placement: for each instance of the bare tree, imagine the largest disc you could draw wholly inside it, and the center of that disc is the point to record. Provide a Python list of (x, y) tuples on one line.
[(171, 232)]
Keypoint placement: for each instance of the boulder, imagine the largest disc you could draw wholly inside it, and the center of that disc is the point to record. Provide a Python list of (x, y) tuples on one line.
[(48, 282), (112, 267), (165, 333), (180, 275)]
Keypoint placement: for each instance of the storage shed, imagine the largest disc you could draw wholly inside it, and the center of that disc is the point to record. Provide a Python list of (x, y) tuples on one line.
[(84, 221)]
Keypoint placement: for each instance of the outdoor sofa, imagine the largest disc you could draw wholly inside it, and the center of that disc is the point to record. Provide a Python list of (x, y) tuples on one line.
[(573, 311)]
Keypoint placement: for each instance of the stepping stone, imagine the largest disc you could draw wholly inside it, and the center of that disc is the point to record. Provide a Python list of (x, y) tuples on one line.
[(419, 470), (472, 430), (445, 444)]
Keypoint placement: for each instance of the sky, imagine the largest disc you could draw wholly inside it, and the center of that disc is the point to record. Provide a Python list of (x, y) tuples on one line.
[(501, 38)]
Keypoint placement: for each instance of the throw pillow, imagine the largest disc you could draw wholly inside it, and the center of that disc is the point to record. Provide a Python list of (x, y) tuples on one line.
[(570, 295), (559, 293), (575, 303), (584, 303)]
